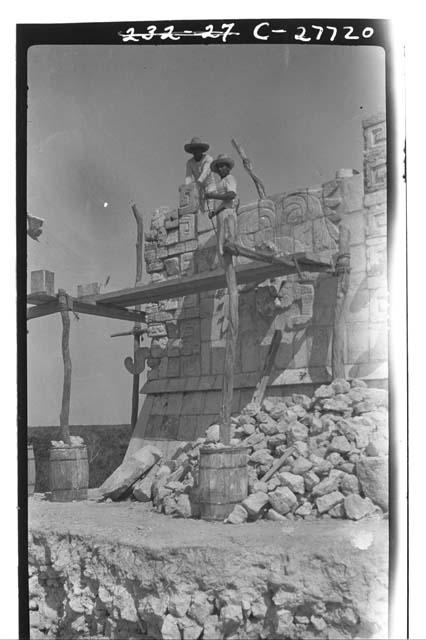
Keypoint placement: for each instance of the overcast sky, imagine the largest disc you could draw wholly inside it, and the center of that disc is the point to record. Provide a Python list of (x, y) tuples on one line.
[(107, 124)]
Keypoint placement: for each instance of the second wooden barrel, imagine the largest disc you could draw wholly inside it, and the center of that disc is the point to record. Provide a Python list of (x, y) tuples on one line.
[(68, 473), (31, 469), (222, 481)]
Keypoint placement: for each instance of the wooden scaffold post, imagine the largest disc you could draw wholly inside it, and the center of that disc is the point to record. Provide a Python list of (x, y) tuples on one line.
[(66, 389), (137, 328)]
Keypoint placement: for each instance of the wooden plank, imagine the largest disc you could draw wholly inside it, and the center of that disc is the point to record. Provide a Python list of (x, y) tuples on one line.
[(107, 311), (43, 310), (230, 349), (66, 389), (40, 298), (259, 392), (137, 335), (209, 281), (339, 325)]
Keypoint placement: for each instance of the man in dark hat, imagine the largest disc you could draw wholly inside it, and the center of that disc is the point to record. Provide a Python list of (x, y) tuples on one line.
[(198, 167), (226, 194)]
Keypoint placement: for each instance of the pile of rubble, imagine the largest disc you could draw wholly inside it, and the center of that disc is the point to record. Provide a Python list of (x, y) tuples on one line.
[(325, 456)]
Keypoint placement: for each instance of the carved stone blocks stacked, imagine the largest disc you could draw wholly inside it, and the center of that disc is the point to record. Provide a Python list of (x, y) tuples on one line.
[(367, 297)]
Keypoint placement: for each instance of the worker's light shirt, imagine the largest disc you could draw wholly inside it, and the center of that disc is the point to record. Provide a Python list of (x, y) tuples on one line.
[(227, 184), (199, 171)]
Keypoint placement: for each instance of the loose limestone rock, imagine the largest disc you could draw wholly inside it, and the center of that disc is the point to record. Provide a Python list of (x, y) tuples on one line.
[(292, 481), (326, 502), (128, 472), (170, 629), (255, 504), (373, 477), (282, 500), (238, 515), (357, 507)]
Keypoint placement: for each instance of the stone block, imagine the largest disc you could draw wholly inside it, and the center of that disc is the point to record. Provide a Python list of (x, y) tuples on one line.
[(217, 358), (43, 281), (375, 170), (193, 403), (374, 130), (187, 266), (205, 358), (156, 330), (357, 335), (375, 198), (172, 266), (172, 329), (173, 367), (376, 221), (352, 193), (376, 256), (174, 347), (172, 237), (162, 368), (172, 224), (176, 249), (355, 222), (378, 342), (249, 350), (190, 300), (190, 332), (206, 308), (162, 252), (188, 199), (87, 290), (190, 365), (152, 374), (159, 316), (173, 404), (142, 488), (358, 258), (213, 401), (159, 347), (237, 516), (187, 428), (154, 266), (186, 227), (379, 310)]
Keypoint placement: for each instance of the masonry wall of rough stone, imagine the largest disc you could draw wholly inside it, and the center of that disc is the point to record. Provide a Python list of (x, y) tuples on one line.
[(187, 335), (88, 587)]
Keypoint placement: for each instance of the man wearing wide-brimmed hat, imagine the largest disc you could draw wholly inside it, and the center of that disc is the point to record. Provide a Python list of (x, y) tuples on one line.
[(226, 194), (198, 167)]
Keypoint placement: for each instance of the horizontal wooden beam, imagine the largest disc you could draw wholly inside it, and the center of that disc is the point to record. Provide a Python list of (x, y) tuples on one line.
[(41, 310), (108, 311), (89, 308), (211, 280)]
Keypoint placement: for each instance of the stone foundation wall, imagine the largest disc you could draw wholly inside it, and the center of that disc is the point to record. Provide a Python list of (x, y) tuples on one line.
[(304, 587), (187, 335)]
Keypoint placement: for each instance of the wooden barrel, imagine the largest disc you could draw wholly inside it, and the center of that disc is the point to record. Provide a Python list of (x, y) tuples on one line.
[(31, 469), (68, 473), (222, 481)]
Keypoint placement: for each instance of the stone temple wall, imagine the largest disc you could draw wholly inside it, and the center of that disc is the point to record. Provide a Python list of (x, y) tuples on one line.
[(187, 335)]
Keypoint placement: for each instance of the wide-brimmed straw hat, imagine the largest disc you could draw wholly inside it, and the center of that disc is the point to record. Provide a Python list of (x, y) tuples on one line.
[(196, 143), (221, 159)]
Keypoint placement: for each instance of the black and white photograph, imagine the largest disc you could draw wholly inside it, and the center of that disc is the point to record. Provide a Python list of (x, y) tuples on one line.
[(207, 444)]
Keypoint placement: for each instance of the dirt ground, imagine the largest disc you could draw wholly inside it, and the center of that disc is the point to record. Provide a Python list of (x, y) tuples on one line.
[(135, 524)]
